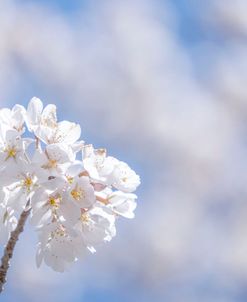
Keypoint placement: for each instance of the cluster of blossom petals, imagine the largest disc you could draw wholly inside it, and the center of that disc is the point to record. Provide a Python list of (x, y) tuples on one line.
[(75, 192)]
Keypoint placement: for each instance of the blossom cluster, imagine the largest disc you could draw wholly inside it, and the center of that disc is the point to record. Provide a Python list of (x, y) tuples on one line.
[(75, 192)]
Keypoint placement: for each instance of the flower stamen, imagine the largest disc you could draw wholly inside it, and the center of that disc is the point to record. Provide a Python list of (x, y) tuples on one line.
[(77, 194), (11, 152)]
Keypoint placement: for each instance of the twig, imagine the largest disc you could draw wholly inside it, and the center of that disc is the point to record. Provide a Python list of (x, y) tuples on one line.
[(9, 249)]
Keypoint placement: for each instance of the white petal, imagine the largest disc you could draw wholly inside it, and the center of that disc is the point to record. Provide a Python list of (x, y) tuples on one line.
[(60, 153), (49, 116), (69, 132), (39, 256), (75, 169), (34, 111)]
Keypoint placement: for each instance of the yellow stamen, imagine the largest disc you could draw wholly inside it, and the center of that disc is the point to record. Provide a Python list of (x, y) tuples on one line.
[(70, 179), (60, 231), (55, 200), (52, 201), (28, 182), (52, 163), (77, 194), (85, 218), (11, 152)]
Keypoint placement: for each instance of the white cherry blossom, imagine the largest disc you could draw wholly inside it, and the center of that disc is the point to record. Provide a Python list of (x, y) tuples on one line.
[(97, 164), (13, 119), (96, 226), (59, 246), (122, 204), (124, 178), (44, 124), (74, 202), (53, 206), (81, 192), (55, 158), (12, 146)]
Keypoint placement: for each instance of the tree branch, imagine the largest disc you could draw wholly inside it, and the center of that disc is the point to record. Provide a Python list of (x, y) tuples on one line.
[(9, 249)]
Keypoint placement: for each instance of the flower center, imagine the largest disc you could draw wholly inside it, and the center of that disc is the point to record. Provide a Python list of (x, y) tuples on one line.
[(54, 201), (28, 182), (77, 194), (11, 152), (52, 163), (70, 179), (59, 232)]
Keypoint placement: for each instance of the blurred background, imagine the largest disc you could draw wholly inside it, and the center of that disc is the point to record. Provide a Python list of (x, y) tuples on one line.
[(163, 86)]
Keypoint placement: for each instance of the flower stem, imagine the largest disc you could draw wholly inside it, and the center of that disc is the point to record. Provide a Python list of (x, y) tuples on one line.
[(9, 249)]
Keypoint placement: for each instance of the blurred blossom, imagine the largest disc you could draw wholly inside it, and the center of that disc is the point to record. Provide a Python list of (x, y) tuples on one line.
[(165, 82)]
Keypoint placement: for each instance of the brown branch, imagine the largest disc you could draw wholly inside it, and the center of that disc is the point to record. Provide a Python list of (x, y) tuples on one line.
[(9, 249)]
